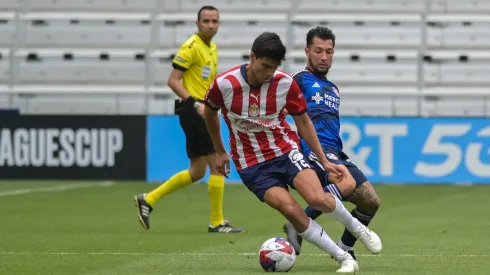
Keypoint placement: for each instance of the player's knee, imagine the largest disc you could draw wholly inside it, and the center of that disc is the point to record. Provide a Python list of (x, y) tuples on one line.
[(370, 205), (345, 185), (197, 172)]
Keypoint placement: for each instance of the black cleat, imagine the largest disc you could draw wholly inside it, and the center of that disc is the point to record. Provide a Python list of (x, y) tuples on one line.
[(225, 227), (293, 237), (144, 210)]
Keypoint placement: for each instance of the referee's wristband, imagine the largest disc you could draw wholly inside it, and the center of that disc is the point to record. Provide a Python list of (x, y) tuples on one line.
[(191, 102)]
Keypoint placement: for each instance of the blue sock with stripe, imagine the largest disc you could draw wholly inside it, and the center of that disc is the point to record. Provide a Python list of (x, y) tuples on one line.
[(331, 188)]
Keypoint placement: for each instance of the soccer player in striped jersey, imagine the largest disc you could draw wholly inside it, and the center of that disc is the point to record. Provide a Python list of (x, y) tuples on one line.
[(266, 152), (323, 99)]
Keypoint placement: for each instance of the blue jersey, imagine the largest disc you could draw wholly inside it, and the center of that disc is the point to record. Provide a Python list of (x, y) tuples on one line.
[(323, 99)]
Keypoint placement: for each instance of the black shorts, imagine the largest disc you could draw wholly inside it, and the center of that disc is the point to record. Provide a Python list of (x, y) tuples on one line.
[(198, 142)]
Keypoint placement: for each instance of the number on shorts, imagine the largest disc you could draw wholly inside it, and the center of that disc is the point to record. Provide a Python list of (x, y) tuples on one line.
[(298, 160)]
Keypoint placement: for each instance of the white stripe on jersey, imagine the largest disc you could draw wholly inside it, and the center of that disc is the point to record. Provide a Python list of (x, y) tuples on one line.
[(258, 153), (263, 99)]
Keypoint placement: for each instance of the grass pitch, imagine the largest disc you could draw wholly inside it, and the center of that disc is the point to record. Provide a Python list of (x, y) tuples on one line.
[(57, 228)]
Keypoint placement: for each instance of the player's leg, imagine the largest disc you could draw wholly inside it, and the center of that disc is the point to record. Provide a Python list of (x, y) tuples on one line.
[(367, 204), (216, 188), (306, 182), (189, 121), (337, 187), (340, 189), (145, 202), (281, 200)]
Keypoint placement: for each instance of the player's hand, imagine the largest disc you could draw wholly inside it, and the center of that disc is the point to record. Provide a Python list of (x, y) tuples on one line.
[(223, 163), (200, 109), (340, 171)]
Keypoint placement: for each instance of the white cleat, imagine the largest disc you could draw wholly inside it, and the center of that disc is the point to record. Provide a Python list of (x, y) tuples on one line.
[(347, 264), (370, 239)]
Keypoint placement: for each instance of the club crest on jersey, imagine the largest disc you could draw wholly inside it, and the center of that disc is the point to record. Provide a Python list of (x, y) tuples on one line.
[(335, 91), (253, 110), (332, 156)]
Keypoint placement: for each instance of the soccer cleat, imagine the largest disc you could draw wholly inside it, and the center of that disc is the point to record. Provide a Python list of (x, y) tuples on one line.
[(347, 264), (224, 227), (144, 210), (293, 237), (351, 252), (370, 239)]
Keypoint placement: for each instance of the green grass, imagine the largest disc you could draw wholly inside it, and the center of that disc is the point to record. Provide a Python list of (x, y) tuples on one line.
[(425, 230)]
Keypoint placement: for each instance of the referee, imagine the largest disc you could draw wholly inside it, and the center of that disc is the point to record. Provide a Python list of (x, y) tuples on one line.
[(194, 69)]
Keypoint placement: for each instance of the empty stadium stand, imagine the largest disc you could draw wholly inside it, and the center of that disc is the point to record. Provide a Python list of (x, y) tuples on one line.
[(393, 57)]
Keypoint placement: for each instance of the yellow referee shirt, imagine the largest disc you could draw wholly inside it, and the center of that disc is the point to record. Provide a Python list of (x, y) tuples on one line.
[(199, 63)]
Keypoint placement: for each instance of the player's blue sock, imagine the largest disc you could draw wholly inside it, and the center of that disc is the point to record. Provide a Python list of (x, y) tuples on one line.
[(331, 188), (348, 240)]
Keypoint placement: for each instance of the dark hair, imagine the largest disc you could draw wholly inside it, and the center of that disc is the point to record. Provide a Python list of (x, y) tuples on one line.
[(323, 33), (209, 8), (269, 45)]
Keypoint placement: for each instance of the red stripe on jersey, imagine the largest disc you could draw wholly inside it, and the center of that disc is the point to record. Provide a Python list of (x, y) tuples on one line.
[(248, 149), (264, 144), (292, 135), (271, 106), (233, 144), (237, 102)]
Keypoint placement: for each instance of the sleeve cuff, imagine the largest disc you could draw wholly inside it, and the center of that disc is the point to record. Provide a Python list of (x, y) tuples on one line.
[(299, 113)]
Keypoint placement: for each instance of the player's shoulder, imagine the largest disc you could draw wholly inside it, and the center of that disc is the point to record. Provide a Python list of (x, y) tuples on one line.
[(300, 75), (190, 43), (283, 77), (228, 76)]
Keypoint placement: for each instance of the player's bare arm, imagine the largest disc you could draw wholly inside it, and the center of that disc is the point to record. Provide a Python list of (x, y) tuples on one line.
[(213, 124), (366, 199), (174, 82), (307, 131)]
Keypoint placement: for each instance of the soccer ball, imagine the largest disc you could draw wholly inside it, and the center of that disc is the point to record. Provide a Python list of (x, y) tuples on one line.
[(277, 255)]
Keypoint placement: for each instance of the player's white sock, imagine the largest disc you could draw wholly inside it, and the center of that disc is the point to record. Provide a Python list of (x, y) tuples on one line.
[(344, 247), (343, 216), (317, 236)]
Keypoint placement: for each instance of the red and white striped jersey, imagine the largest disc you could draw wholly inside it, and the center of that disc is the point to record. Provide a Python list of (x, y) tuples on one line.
[(257, 125)]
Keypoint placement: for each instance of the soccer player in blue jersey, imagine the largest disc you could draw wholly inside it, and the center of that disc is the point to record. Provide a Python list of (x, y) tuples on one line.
[(323, 101)]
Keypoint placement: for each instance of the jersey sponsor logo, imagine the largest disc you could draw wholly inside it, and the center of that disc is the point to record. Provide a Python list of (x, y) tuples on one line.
[(250, 124), (206, 72), (59, 147), (253, 110)]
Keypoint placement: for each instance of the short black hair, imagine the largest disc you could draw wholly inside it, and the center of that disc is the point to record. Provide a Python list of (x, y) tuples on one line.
[(269, 45), (323, 33), (209, 8)]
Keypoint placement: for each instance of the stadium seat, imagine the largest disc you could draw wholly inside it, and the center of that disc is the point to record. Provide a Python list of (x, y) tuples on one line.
[(80, 67), (264, 6), (7, 29), (4, 66), (87, 31), (362, 6), (458, 6), (129, 6)]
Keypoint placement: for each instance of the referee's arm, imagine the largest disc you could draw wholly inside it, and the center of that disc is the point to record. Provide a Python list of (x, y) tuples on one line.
[(176, 85)]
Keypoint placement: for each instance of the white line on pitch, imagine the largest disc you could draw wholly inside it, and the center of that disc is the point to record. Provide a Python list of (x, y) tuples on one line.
[(226, 254), (55, 188)]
